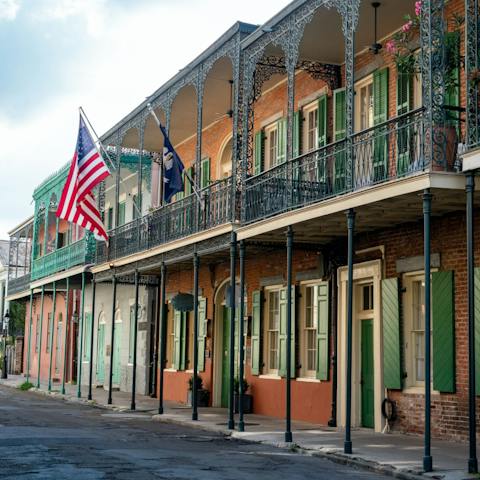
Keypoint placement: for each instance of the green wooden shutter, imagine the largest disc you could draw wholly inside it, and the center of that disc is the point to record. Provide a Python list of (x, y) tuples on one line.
[(323, 360), (183, 340), (205, 173), (380, 115), (322, 121), (188, 185), (392, 370), (297, 133), (177, 338), (109, 220), (339, 132), (121, 213), (202, 332), (281, 140), (282, 334), (87, 336), (256, 331), (477, 330), (404, 105), (259, 153), (443, 323)]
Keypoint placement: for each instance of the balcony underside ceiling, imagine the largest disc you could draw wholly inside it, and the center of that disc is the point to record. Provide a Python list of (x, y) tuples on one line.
[(373, 217)]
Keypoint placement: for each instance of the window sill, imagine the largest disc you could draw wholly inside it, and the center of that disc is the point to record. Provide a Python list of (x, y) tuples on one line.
[(170, 370), (417, 390), (308, 380), (270, 376)]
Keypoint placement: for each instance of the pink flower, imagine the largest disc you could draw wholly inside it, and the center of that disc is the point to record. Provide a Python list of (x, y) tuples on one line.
[(391, 47), (418, 8), (407, 26)]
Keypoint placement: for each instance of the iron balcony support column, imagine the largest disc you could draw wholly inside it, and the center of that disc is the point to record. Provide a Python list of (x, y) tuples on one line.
[(80, 336), (92, 331), (30, 335), (40, 336), (135, 334), (472, 460), (163, 321), (427, 210), (241, 340), (348, 393), (65, 342), (112, 339), (233, 259), (50, 340), (196, 262), (156, 345), (288, 407), (472, 63)]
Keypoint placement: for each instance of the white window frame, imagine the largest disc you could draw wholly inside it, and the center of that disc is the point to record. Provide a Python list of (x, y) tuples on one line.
[(311, 108), (364, 82), (413, 385), (305, 373), (267, 331), (269, 130)]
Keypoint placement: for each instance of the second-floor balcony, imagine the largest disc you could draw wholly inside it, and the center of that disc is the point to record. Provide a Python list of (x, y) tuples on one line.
[(77, 253), (174, 221), (389, 151)]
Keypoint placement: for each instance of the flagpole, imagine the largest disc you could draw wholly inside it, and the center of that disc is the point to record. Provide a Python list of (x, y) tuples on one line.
[(84, 115), (185, 172)]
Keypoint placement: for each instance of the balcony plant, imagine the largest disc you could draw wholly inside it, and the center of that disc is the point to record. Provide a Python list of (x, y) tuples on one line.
[(203, 396), (247, 398)]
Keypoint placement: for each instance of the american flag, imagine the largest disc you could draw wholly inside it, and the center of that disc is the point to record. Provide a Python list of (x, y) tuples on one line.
[(88, 169)]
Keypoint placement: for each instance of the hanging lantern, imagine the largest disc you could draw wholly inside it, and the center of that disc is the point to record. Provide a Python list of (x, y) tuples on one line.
[(183, 302)]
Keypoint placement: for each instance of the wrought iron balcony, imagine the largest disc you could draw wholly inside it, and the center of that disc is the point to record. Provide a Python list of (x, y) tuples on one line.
[(77, 253), (171, 222), (388, 151), (18, 284)]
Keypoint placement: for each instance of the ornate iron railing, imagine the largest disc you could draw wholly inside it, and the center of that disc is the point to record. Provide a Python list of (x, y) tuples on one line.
[(18, 284), (170, 222), (387, 151), (76, 253)]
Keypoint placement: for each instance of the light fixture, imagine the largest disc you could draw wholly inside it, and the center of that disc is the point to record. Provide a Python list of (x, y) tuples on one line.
[(375, 47)]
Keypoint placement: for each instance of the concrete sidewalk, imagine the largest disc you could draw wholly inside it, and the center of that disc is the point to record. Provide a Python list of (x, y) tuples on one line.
[(397, 454)]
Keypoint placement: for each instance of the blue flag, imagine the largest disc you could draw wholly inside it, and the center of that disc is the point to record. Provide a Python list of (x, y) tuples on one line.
[(172, 169)]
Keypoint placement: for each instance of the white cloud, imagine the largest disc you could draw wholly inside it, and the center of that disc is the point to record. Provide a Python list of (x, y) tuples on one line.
[(9, 9)]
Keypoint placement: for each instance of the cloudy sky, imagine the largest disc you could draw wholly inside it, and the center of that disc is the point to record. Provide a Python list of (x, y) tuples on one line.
[(106, 55)]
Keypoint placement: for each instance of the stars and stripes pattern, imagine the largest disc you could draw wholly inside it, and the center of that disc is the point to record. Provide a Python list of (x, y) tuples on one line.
[(88, 169)]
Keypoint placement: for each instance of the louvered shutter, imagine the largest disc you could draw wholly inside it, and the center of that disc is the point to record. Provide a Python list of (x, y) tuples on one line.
[(404, 135), (443, 325), (282, 335), (259, 153), (297, 133), (323, 359), (380, 115), (205, 173), (392, 371), (339, 134), (322, 121), (256, 331), (281, 140), (477, 329), (177, 338)]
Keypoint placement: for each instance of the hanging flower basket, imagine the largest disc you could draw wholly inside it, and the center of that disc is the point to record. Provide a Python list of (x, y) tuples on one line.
[(183, 302)]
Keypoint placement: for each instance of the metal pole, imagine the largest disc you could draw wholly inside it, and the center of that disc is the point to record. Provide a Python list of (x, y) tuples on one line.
[(80, 343), (65, 349), (163, 321), (157, 345), (196, 263), (30, 336), (472, 460), (50, 340), (347, 448), (112, 339), (135, 332), (92, 331), (40, 336), (233, 255), (288, 391), (241, 340), (427, 210)]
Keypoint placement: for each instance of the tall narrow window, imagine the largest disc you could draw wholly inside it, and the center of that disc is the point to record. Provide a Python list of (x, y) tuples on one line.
[(364, 104), (418, 330), (273, 330), (271, 146), (49, 329), (310, 331), (310, 130)]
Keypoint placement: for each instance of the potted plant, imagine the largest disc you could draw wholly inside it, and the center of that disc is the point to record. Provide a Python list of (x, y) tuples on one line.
[(247, 402), (203, 396)]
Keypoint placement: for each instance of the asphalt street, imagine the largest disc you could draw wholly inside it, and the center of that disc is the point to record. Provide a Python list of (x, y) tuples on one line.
[(46, 438)]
